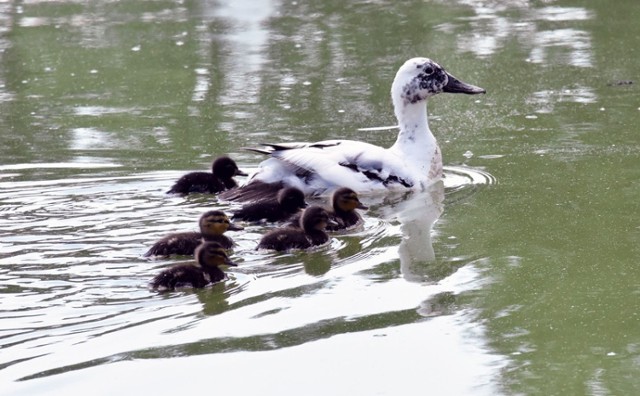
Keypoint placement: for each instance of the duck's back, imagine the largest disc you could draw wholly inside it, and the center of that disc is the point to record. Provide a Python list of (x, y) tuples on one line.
[(341, 220), (266, 210), (285, 239), (180, 275), (182, 243), (198, 182), (317, 167)]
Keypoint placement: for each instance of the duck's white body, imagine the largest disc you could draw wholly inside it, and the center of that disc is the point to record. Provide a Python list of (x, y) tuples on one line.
[(413, 162)]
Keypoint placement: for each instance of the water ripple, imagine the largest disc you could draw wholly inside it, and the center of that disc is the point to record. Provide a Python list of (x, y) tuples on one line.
[(462, 182), (75, 290)]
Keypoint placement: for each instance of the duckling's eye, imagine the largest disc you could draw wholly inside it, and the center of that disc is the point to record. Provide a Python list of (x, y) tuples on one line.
[(428, 70)]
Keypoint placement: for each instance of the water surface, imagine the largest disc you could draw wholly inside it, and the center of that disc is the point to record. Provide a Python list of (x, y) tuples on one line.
[(517, 275)]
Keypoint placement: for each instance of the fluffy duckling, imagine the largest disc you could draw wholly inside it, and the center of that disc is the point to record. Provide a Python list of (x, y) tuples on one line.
[(344, 202), (213, 224), (223, 169), (288, 202), (210, 256), (313, 222)]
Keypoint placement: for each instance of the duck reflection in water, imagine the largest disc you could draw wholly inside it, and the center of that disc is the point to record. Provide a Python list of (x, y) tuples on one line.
[(417, 212)]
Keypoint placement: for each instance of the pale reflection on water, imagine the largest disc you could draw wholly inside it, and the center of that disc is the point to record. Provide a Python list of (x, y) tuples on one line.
[(417, 212), (497, 22), (446, 360)]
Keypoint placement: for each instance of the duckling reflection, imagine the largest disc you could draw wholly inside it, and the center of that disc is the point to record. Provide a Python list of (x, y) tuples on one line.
[(417, 213), (213, 224)]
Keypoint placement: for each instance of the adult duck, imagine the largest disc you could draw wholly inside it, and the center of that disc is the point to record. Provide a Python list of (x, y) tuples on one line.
[(210, 258), (223, 169), (213, 224), (413, 162)]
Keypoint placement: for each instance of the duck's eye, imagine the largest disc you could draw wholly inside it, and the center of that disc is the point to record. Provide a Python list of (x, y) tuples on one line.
[(428, 70)]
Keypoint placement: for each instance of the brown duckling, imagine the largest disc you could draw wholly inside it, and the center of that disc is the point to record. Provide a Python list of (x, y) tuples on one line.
[(344, 202), (210, 256), (213, 224), (288, 202), (223, 169), (311, 232)]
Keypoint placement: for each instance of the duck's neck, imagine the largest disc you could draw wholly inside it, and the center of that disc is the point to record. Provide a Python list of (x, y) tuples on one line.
[(214, 272), (415, 137), (228, 182), (316, 237)]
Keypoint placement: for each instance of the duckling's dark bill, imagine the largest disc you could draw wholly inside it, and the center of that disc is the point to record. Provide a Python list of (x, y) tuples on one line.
[(456, 86), (235, 227), (230, 263), (240, 173)]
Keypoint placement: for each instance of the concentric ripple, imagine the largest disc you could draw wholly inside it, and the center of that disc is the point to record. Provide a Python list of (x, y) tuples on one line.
[(461, 182)]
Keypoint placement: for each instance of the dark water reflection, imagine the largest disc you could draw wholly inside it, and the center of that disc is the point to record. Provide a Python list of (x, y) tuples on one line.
[(517, 276)]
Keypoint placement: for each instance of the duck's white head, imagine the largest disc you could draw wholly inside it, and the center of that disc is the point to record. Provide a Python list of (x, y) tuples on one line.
[(420, 78)]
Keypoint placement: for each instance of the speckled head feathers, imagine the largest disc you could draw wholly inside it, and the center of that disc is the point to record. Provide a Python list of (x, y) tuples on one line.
[(419, 78)]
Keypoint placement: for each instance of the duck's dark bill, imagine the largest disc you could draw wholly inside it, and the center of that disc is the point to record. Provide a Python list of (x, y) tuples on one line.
[(230, 263), (456, 86), (235, 227)]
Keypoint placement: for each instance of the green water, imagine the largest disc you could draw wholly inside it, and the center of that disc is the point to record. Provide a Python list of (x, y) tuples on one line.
[(527, 282)]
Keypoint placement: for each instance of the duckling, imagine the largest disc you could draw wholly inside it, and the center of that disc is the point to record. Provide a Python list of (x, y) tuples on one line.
[(220, 179), (344, 202), (313, 222), (213, 224), (288, 202), (209, 257)]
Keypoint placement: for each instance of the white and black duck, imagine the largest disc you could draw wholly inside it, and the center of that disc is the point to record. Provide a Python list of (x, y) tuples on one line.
[(413, 162)]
